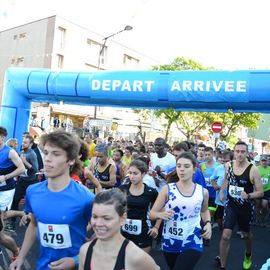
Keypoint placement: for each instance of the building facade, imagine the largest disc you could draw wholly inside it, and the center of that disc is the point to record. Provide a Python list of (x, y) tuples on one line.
[(58, 44)]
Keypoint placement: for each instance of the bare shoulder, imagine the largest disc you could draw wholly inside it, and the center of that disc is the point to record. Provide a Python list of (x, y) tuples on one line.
[(84, 247), (137, 259)]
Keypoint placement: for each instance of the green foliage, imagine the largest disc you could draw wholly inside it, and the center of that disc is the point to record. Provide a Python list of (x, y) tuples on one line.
[(190, 123)]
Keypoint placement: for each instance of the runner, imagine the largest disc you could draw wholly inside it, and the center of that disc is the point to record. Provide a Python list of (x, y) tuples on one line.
[(186, 203), (104, 171), (217, 179), (117, 158), (60, 230), (29, 159), (140, 198), (242, 180), (111, 250), (162, 161), (10, 167), (263, 204)]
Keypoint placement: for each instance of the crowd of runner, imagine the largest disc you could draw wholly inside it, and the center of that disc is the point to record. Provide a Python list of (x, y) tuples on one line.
[(108, 203)]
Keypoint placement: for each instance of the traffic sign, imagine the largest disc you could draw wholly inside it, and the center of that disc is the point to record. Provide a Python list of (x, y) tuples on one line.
[(217, 127)]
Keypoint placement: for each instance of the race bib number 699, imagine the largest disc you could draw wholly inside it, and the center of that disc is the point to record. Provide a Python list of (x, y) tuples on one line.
[(132, 226)]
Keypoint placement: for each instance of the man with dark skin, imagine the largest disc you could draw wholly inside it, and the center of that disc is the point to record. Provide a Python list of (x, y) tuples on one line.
[(162, 161)]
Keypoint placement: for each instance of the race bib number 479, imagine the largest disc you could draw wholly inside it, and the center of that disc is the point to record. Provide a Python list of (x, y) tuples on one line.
[(55, 236)]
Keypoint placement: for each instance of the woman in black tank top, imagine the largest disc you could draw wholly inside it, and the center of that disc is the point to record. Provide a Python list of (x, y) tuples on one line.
[(110, 250)]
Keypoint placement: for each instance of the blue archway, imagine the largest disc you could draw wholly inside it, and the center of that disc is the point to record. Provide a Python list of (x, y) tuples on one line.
[(182, 90)]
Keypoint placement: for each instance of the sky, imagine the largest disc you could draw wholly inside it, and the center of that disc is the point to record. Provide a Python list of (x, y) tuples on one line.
[(225, 34)]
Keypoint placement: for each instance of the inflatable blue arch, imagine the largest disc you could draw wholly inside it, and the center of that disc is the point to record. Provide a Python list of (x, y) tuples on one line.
[(241, 91)]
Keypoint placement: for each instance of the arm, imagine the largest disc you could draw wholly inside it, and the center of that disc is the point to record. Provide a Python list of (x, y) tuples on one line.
[(89, 176), (224, 185), (29, 239), (111, 183), (137, 259), (206, 217), (159, 204), (122, 172), (256, 179), (14, 157)]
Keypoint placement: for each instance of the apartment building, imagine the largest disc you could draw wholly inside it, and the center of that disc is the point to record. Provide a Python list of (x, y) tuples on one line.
[(58, 44)]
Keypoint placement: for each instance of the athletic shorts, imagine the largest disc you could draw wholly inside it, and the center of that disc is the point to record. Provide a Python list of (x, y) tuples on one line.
[(211, 202), (6, 198), (142, 240), (266, 195), (242, 215), (219, 212)]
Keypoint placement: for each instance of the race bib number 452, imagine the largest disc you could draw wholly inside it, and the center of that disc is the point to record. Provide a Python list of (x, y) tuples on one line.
[(132, 226), (178, 230), (55, 236)]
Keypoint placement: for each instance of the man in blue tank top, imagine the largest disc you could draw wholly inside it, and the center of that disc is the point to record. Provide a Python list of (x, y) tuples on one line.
[(10, 167), (243, 184), (59, 207)]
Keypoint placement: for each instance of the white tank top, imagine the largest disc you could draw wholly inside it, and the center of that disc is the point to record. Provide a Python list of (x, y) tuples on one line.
[(183, 231)]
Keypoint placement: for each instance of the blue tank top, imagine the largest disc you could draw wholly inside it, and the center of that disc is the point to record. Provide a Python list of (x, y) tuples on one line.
[(183, 231), (6, 167)]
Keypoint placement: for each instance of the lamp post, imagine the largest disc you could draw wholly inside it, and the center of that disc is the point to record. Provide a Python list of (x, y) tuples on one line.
[(127, 28)]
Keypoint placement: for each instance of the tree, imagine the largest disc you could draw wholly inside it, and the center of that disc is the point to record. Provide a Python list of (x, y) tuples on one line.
[(232, 121)]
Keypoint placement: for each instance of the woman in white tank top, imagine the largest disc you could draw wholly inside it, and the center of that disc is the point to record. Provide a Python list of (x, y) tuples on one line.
[(182, 206)]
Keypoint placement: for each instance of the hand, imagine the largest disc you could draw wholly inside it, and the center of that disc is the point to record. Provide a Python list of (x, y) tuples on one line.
[(244, 195), (207, 231), (153, 232), (2, 178), (66, 263), (166, 215), (17, 264), (216, 187), (158, 169), (25, 219), (88, 174), (221, 196)]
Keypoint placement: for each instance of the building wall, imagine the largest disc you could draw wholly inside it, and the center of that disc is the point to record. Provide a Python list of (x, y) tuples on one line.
[(28, 45)]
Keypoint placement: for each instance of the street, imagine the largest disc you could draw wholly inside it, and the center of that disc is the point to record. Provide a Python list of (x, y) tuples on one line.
[(236, 255)]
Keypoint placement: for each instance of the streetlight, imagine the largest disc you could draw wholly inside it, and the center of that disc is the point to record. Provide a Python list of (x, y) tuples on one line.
[(127, 28)]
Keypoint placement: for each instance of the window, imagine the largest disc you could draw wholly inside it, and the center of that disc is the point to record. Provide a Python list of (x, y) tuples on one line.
[(22, 35), (60, 61), (20, 60), (62, 37), (130, 62), (95, 53)]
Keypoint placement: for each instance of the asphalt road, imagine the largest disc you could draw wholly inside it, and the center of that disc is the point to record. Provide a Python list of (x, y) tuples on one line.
[(261, 251)]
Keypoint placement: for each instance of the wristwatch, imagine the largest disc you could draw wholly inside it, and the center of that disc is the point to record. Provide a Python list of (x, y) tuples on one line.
[(208, 221)]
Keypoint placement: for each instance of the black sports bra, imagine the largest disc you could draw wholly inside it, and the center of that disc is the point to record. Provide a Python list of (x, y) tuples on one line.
[(120, 261)]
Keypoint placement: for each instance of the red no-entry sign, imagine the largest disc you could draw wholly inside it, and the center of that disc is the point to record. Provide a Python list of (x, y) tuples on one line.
[(216, 127)]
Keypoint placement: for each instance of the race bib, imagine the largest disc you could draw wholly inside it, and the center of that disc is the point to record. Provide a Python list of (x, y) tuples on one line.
[(264, 181), (55, 236), (132, 226), (4, 183), (178, 230), (208, 182), (235, 191)]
